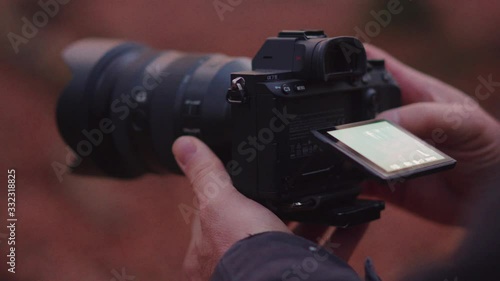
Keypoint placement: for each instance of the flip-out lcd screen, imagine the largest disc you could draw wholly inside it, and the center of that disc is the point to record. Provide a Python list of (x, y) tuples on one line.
[(385, 149)]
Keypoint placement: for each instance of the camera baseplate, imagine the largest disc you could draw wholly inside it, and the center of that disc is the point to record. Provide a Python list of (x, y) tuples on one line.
[(316, 209)]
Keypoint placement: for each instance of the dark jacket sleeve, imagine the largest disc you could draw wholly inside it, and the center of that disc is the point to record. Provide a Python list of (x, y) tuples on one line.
[(280, 256)]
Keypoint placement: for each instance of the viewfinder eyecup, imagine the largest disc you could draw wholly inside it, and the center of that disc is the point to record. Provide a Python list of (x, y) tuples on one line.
[(339, 57)]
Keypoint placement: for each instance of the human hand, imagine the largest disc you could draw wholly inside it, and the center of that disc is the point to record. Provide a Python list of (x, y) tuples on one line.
[(455, 124), (225, 215)]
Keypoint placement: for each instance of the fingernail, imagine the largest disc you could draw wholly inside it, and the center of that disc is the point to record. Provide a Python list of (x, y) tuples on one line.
[(184, 148)]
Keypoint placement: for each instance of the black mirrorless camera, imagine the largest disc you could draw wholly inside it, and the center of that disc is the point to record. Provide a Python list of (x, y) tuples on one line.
[(127, 104)]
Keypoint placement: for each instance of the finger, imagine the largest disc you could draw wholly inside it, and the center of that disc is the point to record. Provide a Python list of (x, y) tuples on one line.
[(415, 86), (466, 133), (210, 181), (449, 125)]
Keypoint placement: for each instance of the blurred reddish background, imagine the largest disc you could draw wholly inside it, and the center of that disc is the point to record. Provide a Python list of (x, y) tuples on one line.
[(90, 228)]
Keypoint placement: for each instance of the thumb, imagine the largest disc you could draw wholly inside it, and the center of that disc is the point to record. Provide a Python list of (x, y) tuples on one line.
[(439, 123), (220, 203), (209, 179)]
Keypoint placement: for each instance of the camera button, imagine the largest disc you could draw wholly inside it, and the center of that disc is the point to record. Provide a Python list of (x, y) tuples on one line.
[(300, 88), (192, 107), (287, 89)]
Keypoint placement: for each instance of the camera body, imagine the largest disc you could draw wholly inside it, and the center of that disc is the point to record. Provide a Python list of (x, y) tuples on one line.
[(261, 127), (302, 81)]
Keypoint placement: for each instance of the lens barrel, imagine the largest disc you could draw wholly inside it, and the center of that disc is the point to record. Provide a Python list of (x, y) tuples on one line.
[(127, 103)]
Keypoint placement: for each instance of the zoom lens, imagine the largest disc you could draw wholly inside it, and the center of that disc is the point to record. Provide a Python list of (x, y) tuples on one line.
[(127, 103)]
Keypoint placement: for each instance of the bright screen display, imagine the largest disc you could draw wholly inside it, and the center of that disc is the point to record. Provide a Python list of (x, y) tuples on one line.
[(387, 146)]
